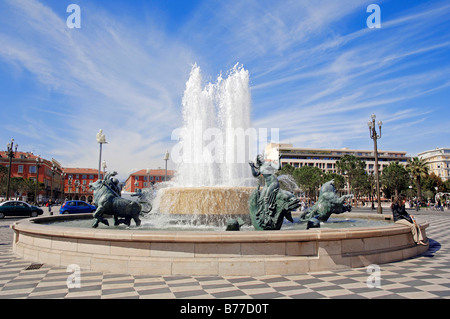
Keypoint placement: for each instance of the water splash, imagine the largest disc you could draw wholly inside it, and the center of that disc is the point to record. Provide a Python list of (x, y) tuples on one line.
[(212, 154)]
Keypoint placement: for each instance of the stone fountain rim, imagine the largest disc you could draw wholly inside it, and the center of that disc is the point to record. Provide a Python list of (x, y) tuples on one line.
[(38, 226)]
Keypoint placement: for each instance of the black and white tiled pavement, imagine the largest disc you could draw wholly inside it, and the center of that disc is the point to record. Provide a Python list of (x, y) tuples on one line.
[(424, 277)]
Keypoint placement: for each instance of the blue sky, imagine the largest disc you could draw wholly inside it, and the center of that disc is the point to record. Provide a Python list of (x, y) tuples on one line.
[(317, 72)]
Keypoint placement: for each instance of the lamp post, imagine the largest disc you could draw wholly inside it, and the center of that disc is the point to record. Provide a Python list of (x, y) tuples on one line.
[(101, 139), (76, 186), (39, 162), (104, 166), (54, 169), (166, 158), (374, 136), (69, 188), (63, 175), (11, 152)]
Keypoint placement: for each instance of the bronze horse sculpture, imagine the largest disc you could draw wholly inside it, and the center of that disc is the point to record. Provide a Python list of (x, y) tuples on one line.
[(108, 201)]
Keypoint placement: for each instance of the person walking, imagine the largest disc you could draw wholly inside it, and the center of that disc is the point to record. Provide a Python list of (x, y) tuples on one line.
[(402, 217), (50, 207)]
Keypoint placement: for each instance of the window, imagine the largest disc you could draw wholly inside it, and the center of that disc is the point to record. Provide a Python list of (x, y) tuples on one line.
[(84, 177), (20, 169), (32, 170)]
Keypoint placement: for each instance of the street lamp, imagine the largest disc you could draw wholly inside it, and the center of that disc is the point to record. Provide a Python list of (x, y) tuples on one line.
[(166, 158), (54, 169), (63, 175), (11, 152), (148, 177), (374, 136), (76, 186), (69, 186), (101, 139), (104, 166), (39, 162)]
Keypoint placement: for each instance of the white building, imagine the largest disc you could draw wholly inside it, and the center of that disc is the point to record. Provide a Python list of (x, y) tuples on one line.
[(326, 159), (438, 161)]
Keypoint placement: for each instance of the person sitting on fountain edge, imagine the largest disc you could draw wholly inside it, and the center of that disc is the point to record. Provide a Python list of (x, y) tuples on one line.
[(402, 217)]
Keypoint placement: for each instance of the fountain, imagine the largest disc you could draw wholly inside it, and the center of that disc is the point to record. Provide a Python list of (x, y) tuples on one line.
[(212, 174), (213, 179)]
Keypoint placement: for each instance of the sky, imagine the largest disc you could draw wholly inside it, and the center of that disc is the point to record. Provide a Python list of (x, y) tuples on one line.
[(317, 72)]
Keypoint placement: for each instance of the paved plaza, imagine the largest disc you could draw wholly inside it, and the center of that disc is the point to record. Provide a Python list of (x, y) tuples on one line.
[(426, 276)]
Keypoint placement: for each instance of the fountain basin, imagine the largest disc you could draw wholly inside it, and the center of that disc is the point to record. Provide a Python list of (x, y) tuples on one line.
[(205, 200), (138, 252)]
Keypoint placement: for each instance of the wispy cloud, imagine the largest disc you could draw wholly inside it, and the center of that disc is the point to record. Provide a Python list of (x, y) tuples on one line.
[(111, 80), (316, 72)]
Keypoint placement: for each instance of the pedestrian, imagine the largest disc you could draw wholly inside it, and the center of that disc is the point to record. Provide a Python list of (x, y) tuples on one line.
[(402, 217), (50, 207)]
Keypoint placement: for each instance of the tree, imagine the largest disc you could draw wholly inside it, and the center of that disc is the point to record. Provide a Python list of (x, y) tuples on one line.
[(395, 178), (446, 186), (3, 178), (287, 169), (309, 178), (432, 181), (418, 170), (339, 180), (354, 168)]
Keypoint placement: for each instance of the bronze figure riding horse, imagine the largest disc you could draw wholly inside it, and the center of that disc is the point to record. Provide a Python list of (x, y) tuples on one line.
[(109, 202)]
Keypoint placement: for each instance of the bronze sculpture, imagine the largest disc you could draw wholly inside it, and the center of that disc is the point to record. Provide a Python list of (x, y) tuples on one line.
[(329, 203), (268, 207), (108, 201)]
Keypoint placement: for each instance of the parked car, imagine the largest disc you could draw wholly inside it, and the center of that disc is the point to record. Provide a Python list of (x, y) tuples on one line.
[(19, 208), (76, 207)]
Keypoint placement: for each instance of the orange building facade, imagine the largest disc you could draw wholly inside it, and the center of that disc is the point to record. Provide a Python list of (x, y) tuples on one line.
[(26, 165), (76, 183), (146, 178)]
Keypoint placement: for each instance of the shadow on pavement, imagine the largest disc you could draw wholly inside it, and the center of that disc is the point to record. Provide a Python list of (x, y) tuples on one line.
[(432, 249)]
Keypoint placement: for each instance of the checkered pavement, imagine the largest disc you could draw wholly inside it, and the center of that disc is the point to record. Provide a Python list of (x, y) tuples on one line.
[(426, 276)]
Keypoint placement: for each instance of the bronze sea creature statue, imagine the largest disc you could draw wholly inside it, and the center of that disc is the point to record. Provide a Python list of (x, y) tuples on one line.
[(108, 201), (329, 203), (270, 205)]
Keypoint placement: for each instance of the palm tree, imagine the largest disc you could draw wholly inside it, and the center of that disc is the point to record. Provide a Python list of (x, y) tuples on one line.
[(418, 170)]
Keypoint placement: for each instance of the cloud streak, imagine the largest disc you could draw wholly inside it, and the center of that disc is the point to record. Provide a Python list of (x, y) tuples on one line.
[(316, 72)]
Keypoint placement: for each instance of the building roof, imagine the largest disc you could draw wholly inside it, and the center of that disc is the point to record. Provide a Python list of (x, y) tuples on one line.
[(20, 155), (157, 172), (87, 171), (29, 157), (151, 172), (330, 150), (436, 151)]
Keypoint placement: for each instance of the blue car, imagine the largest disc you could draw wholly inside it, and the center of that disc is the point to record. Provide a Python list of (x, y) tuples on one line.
[(76, 207)]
